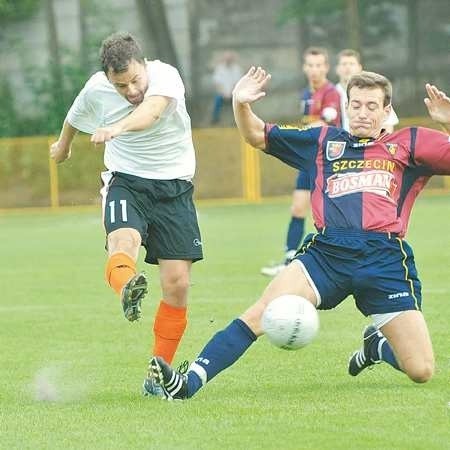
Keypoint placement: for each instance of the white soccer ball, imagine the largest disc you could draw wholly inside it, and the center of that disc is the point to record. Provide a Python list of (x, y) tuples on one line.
[(290, 322)]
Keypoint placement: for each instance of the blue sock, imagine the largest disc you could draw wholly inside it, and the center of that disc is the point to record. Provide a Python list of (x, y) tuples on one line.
[(386, 354), (382, 350), (295, 233), (223, 350)]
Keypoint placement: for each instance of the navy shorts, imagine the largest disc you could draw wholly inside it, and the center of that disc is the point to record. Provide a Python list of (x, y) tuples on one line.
[(376, 268), (303, 182)]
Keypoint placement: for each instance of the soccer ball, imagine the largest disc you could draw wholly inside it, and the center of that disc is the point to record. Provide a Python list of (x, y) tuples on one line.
[(290, 322)]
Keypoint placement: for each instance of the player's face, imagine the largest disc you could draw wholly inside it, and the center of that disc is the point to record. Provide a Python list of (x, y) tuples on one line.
[(131, 84), (315, 68), (366, 112), (346, 68)]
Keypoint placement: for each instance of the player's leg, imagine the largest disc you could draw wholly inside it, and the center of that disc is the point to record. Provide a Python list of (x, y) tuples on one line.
[(171, 319), (300, 207), (173, 242), (124, 228), (400, 338), (409, 339), (228, 345), (301, 204)]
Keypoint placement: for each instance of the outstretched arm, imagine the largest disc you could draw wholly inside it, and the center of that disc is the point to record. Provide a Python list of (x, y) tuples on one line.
[(438, 104), (249, 89), (144, 116), (61, 149)]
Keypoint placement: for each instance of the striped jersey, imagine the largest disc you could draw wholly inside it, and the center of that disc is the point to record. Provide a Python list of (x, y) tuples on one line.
[(362, 184), (319, 104)]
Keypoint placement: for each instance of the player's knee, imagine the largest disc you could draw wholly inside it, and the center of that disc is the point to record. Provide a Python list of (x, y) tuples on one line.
[(176, 283), (420, 372), (298, 211), (124, 240)]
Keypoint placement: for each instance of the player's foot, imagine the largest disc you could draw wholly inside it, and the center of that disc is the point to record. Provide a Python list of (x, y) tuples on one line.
[(275, 269), (362, 358), (174, 383), (271, 271), (132, 294), (151, 388)]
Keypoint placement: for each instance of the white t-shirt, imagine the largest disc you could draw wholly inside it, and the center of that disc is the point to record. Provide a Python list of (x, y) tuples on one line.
[(165, 150), (392, 119)]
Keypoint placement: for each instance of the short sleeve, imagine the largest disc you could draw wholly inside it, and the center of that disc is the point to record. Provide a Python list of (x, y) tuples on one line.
[(82, 114), (432, 150), (331, 107), (165, 81), (296, 147)]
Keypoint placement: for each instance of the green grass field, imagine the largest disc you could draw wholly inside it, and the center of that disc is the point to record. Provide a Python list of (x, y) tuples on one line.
[(59, 323)]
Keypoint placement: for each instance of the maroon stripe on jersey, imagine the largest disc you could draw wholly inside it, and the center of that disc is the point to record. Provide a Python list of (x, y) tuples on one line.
[(317, 196)]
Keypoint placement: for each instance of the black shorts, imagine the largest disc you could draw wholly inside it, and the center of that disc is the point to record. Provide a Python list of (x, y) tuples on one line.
[(162, 211)]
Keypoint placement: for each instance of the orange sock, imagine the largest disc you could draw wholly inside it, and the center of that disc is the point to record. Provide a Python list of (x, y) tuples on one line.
[(170, 323), (119, 269)]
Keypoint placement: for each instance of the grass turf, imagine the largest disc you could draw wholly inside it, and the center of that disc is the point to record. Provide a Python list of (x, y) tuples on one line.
[(61, 328)]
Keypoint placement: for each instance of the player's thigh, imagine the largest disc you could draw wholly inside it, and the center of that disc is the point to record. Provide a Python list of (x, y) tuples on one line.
[(410, 340), (123, 220), (301, 202), (292, 280)]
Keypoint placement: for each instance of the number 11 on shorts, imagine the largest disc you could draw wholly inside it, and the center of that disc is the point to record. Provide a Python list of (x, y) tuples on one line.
[(112, 210)]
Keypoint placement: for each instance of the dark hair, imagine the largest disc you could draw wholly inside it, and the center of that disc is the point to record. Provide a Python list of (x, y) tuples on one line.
[(316, 51), (371, 80), (117, 51), (349, 52)]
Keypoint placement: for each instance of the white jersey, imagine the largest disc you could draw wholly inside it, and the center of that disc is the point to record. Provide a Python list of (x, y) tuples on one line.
[(165, 150), (392, 119)]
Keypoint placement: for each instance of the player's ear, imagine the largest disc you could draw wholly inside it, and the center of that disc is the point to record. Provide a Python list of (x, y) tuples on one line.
[(387, 110)]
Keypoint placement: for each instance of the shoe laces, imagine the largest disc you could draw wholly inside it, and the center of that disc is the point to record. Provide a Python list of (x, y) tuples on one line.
[(183, 367)]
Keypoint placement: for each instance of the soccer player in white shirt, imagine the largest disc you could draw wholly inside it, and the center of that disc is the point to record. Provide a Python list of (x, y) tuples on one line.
[(137, 109)]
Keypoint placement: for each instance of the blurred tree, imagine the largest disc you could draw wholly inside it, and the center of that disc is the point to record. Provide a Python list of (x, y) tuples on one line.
[(8, 114), (17, 9), (322, 22), (84, 35), (154, 17)]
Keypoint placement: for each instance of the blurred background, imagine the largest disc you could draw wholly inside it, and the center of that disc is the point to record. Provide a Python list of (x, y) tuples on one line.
[(48, 49)]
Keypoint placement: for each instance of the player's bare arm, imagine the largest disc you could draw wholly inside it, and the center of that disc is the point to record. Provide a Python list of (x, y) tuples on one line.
[(249, 89), (143, 117), (438, 104), (61, 149)]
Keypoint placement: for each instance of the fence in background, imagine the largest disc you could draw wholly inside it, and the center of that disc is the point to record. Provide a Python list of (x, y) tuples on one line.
[(227, 168)]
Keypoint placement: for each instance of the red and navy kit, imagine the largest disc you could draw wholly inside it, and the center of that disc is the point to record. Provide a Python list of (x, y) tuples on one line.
[(362, 184), (362, 193), (312, 106)]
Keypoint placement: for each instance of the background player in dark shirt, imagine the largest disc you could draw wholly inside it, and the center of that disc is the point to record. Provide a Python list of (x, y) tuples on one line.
[(365, 184), (320, 105)]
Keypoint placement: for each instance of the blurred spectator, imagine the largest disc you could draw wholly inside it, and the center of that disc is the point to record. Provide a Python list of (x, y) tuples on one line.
[(349, 64), (226, 74)]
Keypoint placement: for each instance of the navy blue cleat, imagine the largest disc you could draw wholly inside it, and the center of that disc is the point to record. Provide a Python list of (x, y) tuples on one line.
[(363, 358), (173, 382), (132, 294)]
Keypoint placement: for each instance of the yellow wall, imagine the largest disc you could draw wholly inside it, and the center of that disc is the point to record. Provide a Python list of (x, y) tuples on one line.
[(226, 168)]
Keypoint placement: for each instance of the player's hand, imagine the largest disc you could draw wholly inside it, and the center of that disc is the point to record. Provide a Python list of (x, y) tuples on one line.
[(102, 135), (438, 104), (59, 152), (251, 86)]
